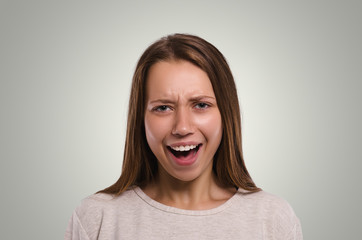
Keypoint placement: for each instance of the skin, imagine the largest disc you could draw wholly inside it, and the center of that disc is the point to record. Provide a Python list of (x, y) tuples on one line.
[(181, 109)]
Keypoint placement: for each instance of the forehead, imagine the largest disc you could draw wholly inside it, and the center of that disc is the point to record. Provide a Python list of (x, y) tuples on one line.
[(177, 78)]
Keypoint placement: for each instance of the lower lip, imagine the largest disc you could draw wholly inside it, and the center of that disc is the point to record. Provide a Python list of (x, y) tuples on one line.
[(185, 162)]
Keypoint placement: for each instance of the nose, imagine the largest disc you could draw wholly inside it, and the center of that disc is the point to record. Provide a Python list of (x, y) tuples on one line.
[(183, 125)]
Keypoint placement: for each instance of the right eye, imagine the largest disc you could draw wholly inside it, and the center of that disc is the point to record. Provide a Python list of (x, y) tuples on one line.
[(162, 108)]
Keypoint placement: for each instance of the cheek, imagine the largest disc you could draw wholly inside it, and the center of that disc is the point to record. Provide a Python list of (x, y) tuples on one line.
[(150, 131), (154, 133), (215, 132), (211, 126)]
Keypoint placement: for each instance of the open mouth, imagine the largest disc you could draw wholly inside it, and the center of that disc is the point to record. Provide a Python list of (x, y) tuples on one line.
[(184, 152)]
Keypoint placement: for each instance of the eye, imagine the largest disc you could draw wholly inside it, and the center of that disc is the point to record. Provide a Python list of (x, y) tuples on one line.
[(162, 108), (202, 105)]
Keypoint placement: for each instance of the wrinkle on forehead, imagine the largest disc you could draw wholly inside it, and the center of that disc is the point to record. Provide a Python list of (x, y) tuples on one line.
[(177, 81)]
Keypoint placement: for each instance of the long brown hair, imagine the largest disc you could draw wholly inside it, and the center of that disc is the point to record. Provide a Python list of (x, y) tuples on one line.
[(139, 163)]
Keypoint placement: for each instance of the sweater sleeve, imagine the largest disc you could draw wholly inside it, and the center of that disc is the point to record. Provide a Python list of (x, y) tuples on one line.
[(287, 227), (283, 224), (75, 230), (86, 221)]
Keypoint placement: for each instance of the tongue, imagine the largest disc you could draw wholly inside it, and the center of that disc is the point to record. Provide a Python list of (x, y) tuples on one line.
[(183, 154)]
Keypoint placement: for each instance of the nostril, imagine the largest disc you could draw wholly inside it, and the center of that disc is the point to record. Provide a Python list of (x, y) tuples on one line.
[(182, 122), (182, 132), (182, 129)]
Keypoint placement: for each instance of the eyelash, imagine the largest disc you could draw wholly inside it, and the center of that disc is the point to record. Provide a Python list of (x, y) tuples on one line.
[(158, 108), (164, 108), (205, 105)]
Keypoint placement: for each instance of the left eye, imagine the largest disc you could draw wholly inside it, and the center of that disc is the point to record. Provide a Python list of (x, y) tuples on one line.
[(202, 105)]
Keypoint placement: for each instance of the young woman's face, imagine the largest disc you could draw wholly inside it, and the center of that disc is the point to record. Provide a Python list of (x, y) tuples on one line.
[(182, 120)]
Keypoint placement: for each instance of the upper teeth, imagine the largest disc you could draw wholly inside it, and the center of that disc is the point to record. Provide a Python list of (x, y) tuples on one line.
[(184, 148)]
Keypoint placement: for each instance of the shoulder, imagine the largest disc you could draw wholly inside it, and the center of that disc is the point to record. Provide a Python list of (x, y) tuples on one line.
[(268, 202), (278, 217), (96, 210), (99, 203)]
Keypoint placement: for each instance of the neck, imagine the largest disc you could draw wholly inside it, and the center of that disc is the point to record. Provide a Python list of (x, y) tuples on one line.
[(201, 193)]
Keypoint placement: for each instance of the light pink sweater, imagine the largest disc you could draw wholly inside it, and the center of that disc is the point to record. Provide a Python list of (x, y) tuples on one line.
[(134, 215)]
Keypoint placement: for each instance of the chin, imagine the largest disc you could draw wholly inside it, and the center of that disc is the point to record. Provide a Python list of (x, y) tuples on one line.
[(187, 175)]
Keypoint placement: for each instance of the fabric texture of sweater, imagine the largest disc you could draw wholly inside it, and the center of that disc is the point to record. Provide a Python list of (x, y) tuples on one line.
[(134, 215)]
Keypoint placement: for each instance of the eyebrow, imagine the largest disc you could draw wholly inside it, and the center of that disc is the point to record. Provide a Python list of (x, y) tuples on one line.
[(162, 101), (193, 99), (199, 98)]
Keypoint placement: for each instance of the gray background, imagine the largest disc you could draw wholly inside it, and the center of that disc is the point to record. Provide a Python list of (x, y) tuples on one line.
[(66, 69)]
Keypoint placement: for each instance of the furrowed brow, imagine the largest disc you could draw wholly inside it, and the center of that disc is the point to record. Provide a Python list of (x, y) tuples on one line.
[(164, 101), (202, 97)]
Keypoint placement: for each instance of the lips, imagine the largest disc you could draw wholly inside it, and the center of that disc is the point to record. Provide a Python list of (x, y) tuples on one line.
[(184, 154)]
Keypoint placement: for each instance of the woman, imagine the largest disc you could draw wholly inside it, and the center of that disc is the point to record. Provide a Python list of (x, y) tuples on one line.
[(183, 174)]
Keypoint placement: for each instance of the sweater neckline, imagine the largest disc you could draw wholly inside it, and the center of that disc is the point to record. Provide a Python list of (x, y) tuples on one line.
[(162, 207)]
